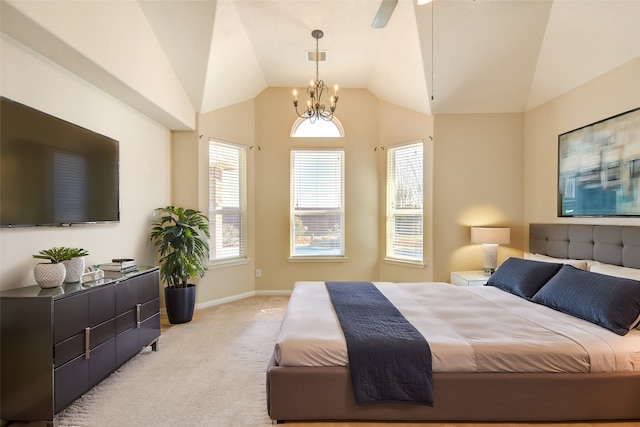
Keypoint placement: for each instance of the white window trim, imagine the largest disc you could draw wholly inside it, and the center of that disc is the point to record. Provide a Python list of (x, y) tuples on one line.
[(406, 263), (229, 262), (317, 258), (242, 258), (389, 258), (300, 120)]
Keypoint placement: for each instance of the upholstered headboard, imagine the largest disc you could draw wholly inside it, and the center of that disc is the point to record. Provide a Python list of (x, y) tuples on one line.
[(611, 244)]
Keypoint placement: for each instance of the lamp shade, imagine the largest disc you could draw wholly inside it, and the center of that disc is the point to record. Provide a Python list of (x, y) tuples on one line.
[(501, 236)]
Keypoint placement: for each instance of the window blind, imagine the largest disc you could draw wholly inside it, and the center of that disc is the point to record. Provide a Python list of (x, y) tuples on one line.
[(227, 201), (405, 189), (317, 203)]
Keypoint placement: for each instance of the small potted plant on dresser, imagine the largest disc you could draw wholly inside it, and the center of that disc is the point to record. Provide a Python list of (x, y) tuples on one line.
[(181, 238), (74, 264), (65, 265)]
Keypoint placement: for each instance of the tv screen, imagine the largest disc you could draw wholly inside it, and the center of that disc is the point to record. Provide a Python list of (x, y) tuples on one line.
[(53, 172)]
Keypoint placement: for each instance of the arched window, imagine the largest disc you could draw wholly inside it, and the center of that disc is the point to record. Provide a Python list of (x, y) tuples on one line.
[(304, 128)]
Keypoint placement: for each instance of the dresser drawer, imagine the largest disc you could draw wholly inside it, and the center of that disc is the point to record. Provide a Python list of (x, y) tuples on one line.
[(126, 295), (75, 346), (148, 287), (102, 305), (71, 316)]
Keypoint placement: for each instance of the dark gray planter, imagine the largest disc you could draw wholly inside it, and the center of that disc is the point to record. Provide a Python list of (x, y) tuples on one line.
[(180, 303)]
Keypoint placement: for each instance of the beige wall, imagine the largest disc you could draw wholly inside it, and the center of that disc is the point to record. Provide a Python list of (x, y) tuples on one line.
[(190, 189), (480, 164), (145, 165), (477, 182), (613, 93), (487, 169), (398, 125), (473, 177), (358, 113)]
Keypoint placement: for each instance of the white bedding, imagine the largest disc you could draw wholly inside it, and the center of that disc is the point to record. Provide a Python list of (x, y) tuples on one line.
[(469, 329)]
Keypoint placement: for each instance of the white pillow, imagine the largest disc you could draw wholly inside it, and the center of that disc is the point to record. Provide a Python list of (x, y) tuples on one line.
[(577, 263), (615, 270), (591, 263)]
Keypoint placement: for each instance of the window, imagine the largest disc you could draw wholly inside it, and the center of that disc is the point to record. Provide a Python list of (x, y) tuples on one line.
[(317, 203), (404, 202), (305, 128), (227, 201)]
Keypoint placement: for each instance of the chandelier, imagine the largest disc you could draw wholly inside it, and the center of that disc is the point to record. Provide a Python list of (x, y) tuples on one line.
[(315, 109)]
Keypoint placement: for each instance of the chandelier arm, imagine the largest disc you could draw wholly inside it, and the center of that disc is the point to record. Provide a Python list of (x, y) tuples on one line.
[(308, 112), (312, 91), (320, 88)]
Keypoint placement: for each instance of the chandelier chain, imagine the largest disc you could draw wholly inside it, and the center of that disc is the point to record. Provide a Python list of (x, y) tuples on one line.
[(317, 58), (315, 109)]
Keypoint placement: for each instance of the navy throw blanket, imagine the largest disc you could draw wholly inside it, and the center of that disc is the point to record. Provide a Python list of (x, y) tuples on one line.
[(389, 359)]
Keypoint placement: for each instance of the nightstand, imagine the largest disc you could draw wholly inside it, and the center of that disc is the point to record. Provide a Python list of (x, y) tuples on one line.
[(469, 278)]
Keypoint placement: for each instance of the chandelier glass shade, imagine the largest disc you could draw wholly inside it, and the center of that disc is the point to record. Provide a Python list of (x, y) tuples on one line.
[(315, 109)]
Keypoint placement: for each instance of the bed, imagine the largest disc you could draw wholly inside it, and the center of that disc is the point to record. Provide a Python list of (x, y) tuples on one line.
[(594, 375)]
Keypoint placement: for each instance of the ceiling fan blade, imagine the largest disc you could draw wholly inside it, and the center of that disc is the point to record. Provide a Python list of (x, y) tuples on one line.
[(384, 13)]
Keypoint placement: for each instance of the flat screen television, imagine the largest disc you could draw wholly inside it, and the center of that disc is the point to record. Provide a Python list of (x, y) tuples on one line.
[(54, 173)]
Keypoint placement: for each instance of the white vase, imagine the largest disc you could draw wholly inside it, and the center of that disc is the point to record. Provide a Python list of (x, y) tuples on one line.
[(49, 275), (75, 268)]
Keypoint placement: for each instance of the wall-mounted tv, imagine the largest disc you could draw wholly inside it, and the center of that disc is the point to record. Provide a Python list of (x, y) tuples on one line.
[(599, 168), (53, 172)]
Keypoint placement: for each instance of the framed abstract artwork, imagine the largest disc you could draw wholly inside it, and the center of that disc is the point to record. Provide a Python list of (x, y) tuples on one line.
[(599, 168)]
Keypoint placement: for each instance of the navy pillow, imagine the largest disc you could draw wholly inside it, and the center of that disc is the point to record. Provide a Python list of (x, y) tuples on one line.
[(611, 302), (523, 277)]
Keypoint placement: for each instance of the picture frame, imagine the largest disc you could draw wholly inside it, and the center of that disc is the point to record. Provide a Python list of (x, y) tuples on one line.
[(599, 168)]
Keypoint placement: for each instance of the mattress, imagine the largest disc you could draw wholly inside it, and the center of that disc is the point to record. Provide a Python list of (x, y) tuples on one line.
[(469, 329)]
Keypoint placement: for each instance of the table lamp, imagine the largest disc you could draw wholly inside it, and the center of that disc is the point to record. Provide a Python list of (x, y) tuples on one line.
[(490, 239)]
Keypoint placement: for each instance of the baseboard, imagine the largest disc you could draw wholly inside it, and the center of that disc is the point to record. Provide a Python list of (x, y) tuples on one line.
[(232, 298), (225, 300)]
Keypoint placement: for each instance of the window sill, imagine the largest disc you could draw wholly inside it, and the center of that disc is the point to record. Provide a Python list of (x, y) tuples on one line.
[(227, 263), (318, 259), (414, 264)]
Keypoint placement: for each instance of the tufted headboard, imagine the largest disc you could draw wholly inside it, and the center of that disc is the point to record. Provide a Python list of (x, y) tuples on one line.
[(611, 244)]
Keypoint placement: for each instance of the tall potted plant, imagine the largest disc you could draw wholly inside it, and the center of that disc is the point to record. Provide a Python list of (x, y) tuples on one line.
[(181, 238)]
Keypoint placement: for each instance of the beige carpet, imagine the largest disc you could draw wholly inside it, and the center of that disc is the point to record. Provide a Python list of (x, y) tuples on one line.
[(209, 372)]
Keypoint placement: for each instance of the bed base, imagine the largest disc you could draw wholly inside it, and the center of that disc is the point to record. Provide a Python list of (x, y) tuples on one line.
[(325, 393)]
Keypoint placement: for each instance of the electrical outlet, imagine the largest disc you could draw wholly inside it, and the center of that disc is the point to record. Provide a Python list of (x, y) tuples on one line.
[(258, 272)]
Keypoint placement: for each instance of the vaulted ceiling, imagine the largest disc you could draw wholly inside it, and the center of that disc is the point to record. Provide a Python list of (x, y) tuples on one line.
[(448, 56), (471, 55)]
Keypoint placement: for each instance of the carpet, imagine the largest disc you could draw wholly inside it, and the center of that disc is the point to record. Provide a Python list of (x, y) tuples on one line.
[(208, 372)]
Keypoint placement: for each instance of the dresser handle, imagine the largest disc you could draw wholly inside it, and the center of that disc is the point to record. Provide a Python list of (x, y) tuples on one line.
[(138, 315), (87, 343)]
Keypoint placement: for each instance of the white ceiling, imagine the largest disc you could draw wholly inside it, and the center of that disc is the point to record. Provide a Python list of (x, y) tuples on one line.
[(449, 56), (488, 55)]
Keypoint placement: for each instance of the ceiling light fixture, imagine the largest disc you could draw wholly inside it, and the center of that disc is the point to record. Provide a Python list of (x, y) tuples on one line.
[(315, 108)]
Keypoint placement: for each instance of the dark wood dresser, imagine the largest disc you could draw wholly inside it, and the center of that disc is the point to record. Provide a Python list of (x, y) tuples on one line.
[(56, 344)]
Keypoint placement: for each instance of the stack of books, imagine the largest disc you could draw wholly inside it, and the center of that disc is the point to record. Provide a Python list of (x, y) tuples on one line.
[(120, 264)]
